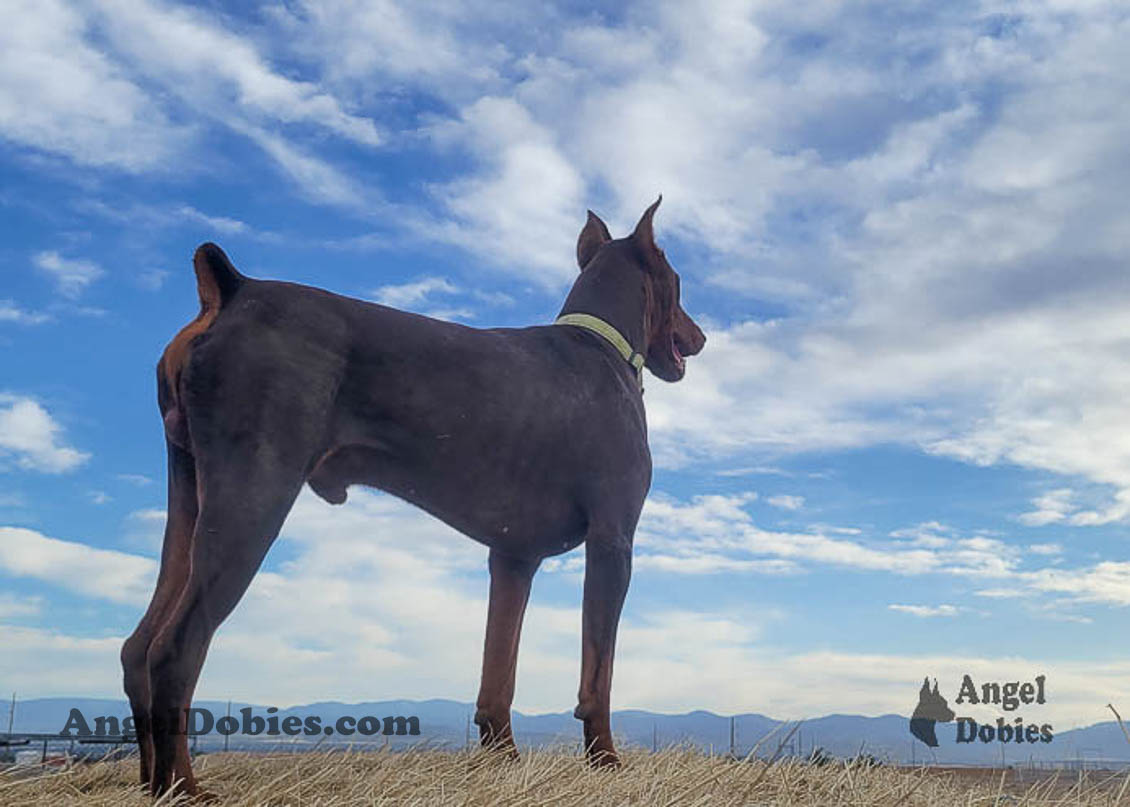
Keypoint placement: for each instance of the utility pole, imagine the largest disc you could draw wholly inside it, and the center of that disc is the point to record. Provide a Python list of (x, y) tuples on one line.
[(227, 736), (732, 745), (467, 733), (11, 716), (654, 738)]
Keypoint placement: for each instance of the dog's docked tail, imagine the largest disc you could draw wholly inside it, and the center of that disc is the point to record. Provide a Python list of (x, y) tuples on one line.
[(217, 281)]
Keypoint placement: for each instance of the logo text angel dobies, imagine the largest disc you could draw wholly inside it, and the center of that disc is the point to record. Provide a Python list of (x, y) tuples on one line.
[(1009, 696)]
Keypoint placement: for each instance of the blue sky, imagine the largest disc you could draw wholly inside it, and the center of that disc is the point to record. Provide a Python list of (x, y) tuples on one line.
[(902, 453)]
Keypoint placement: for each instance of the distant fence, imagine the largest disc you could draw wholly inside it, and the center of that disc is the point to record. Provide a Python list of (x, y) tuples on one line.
[(45, 743)]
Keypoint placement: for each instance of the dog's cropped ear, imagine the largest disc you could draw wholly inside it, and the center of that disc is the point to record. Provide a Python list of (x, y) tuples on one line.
[(593, 235), (644, 234)]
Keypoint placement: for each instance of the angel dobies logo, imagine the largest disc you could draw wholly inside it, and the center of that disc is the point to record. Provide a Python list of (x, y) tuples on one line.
[(933, 708)]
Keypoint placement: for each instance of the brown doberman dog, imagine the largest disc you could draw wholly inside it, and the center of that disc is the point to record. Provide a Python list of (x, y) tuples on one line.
[(528, 440)]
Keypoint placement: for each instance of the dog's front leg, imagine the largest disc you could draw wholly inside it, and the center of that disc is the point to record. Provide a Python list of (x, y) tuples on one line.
[(510, 580), (608, 568)]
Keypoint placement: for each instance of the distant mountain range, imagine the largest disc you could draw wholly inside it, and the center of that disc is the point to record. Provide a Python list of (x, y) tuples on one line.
[(446, 724)]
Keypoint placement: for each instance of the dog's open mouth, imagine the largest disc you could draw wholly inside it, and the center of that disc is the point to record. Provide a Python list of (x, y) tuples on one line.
[(677, 353), (667, 357)]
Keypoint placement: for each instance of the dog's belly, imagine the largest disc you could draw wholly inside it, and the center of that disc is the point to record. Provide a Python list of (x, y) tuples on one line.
[(519, 516)]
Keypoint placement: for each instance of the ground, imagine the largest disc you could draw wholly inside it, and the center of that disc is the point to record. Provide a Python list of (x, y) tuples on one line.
[(672, 777)]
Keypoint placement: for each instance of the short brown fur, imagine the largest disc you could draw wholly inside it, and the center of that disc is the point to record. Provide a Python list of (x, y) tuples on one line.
[(530, 441)]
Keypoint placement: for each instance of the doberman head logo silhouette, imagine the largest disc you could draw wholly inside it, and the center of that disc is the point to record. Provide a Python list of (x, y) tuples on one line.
[(932, 708)]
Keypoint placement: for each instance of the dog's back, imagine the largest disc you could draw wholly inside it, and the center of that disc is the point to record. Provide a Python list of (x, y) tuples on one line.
[(399, 401)]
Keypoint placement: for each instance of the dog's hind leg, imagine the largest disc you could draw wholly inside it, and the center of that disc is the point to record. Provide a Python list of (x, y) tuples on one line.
[(175, 559), (608, 568), (243, 503), (510, 580)]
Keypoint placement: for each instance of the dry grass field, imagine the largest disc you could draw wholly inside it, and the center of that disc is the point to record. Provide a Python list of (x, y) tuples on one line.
[(673, 777)]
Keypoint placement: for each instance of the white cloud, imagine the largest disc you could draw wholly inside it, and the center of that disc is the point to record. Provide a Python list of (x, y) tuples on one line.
[(786, 502), (30, 435), (13, 606), (71, 275), (10, 312), (413, 293), (451, 314), (223, 224), (42, 662), (523, 210), (666, 662), (1105, 582), (931, 534), (102, 83), (152, 279), (315, 178), (416, 296), (710, 563), (714, 533), (62, 94), (374, 599), (397, 42), (145, 530), (749, 470), (209, 66), (494, 298), (926, 610), (103, 574), (1001, 593), (1051, 507)]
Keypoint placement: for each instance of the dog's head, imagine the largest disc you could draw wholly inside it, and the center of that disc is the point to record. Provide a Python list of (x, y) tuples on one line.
[(670, 333), (932, 705)]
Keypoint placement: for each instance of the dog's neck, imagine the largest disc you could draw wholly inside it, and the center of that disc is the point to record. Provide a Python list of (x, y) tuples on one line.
[(617, 295)]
